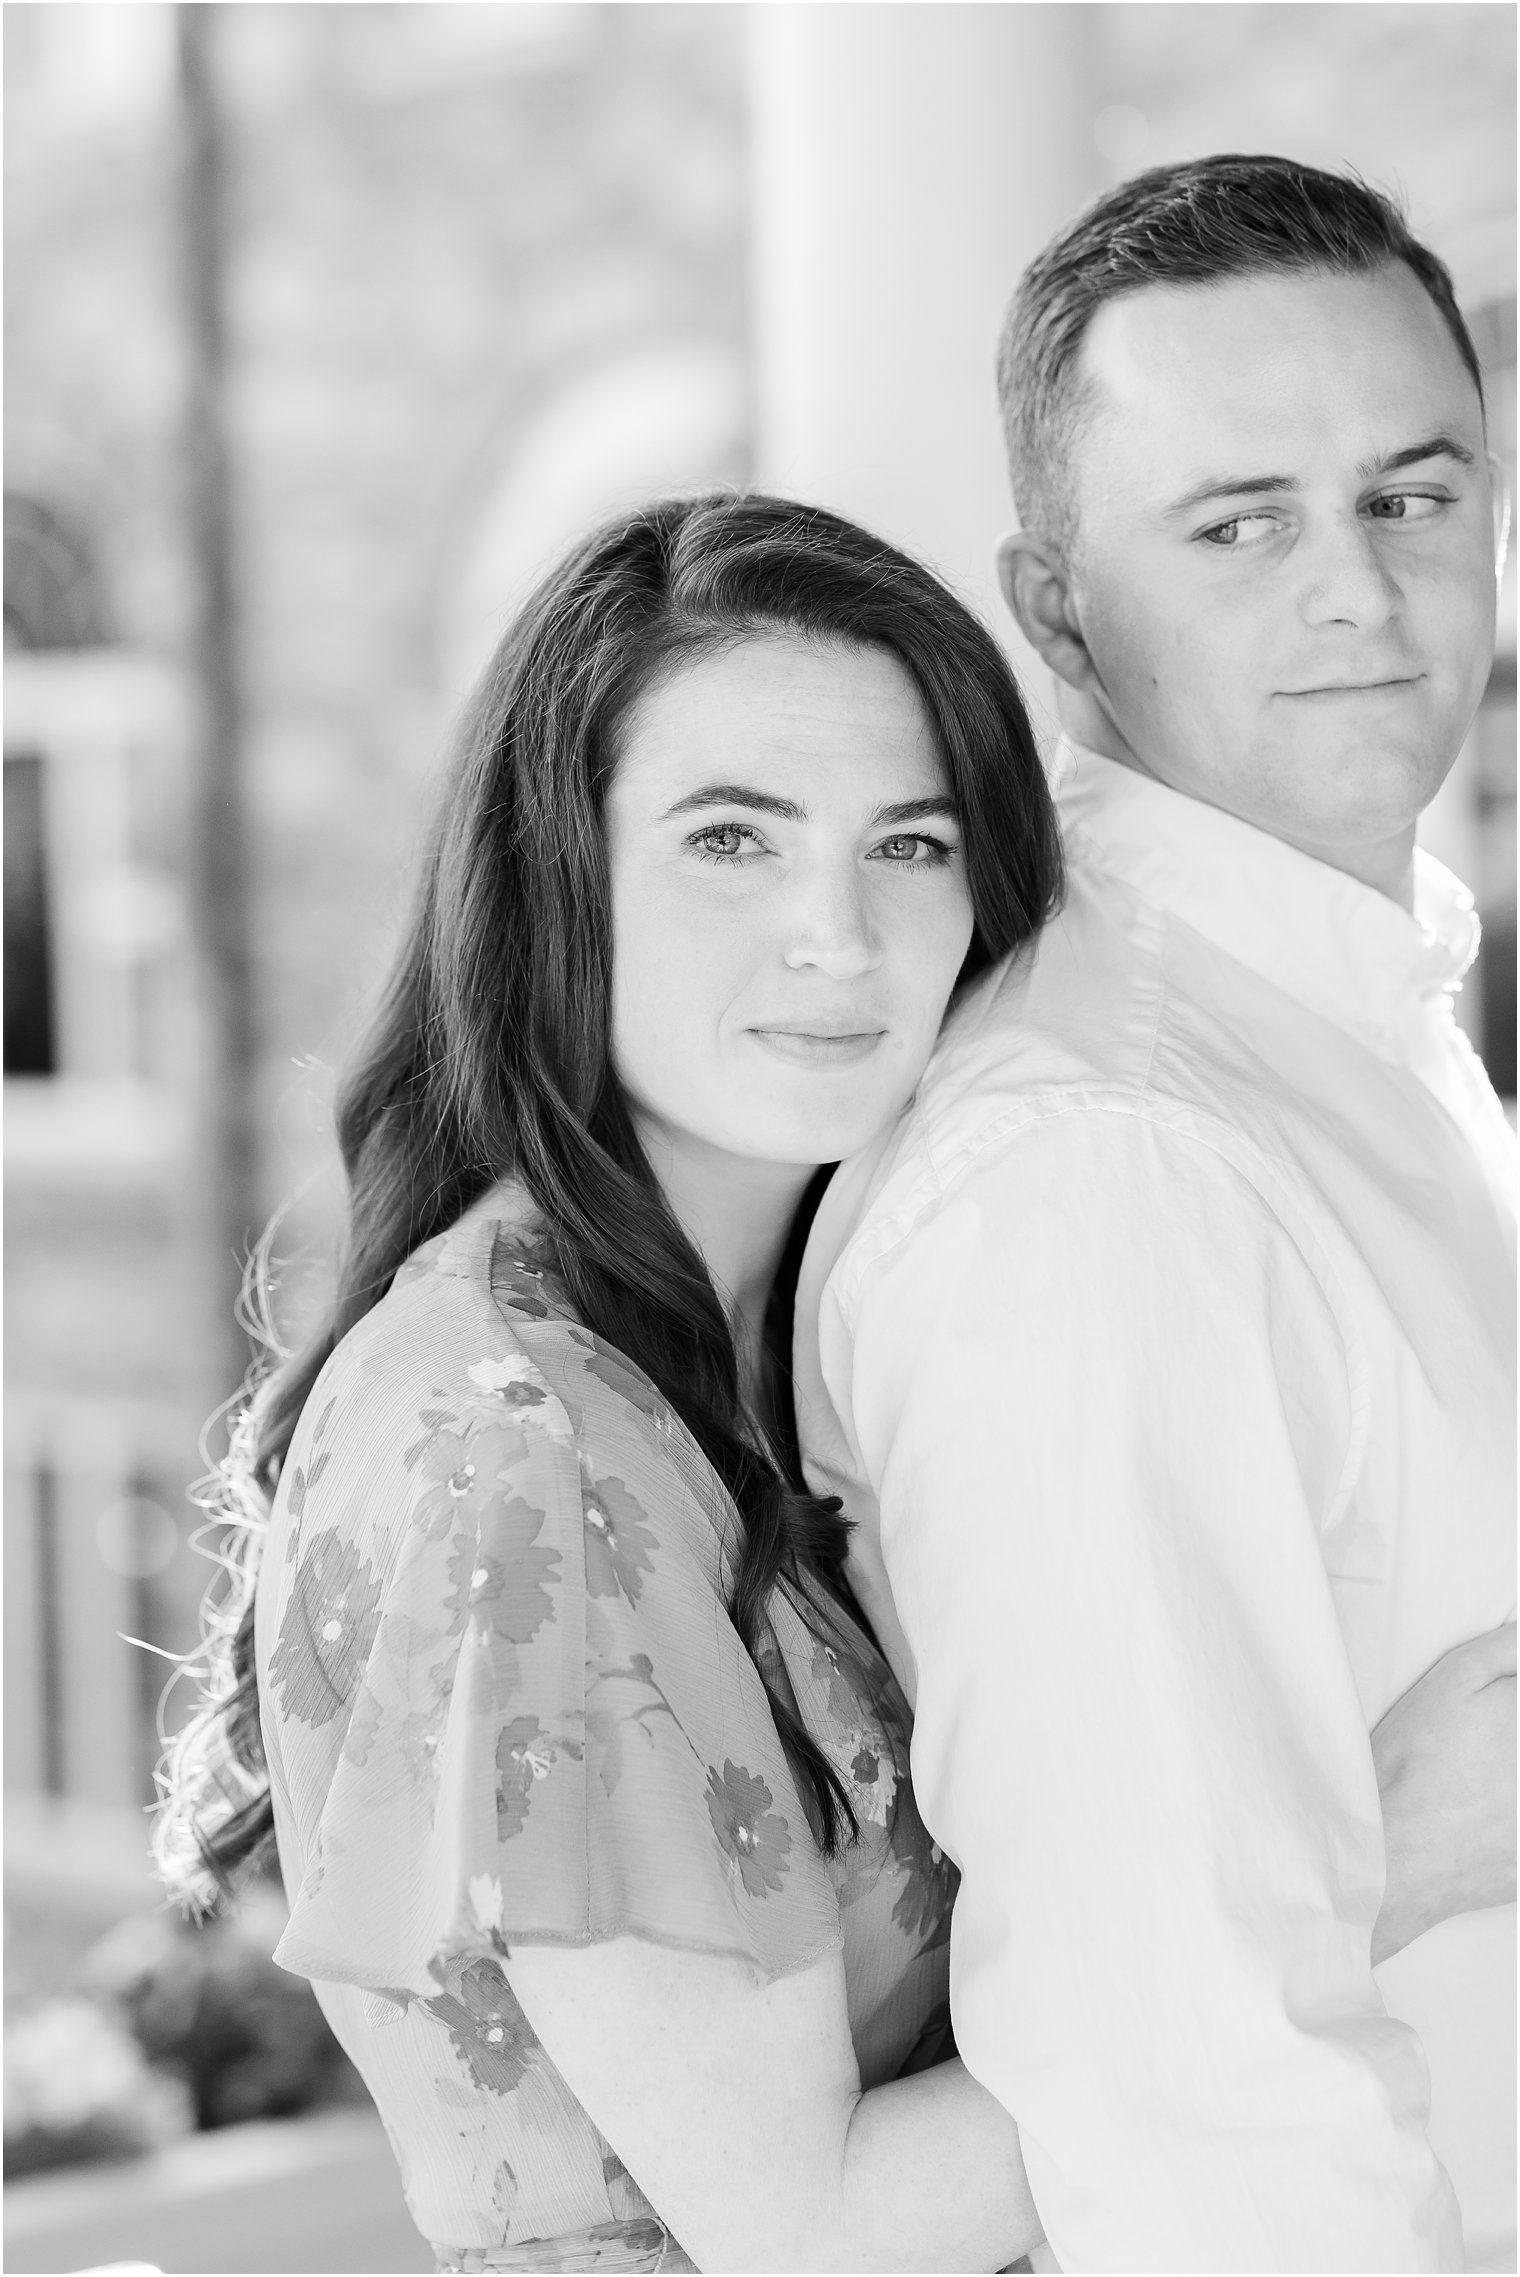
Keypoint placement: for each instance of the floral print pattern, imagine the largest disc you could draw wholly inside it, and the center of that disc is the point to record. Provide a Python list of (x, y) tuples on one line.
[(485, 2026), (444, 1458), (504, 1590), (504, 1699), (619, 1539), (624, 1701), (524, 1753), (753, 1835), (302, 1482), (328, 1631), (621, 2249), (928, 1882)]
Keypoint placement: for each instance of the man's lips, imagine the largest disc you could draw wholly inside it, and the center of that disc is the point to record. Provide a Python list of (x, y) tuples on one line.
[(1386, 685)]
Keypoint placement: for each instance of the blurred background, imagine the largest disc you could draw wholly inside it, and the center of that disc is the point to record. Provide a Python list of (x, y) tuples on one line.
[(328, 325)]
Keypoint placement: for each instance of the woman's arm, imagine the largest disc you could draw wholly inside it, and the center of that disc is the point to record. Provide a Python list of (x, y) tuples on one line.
[(1445, 1757), (738, 2110)]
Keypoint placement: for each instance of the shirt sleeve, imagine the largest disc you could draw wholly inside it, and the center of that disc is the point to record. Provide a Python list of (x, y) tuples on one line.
[(1103, 1402), (508, 1700)]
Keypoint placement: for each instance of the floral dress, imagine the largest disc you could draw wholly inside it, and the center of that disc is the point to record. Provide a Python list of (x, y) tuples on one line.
[(503, 1703)]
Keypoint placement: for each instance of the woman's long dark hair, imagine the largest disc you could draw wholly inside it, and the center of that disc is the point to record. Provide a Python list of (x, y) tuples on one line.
[(491, 1052)]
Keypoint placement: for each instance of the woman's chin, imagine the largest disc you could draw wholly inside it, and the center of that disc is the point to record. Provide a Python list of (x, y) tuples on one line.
[(814, 1138)]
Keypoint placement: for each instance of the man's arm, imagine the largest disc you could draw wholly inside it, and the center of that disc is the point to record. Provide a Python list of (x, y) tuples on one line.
[(1104, 1405), (1445, 1758)]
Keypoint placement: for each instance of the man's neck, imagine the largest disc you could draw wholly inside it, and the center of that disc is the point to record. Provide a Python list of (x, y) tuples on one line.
[(1386, 865)]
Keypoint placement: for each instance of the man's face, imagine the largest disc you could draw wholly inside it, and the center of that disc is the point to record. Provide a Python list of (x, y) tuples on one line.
[(1284, 566)]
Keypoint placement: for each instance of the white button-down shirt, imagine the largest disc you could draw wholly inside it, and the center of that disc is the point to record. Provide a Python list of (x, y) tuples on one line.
[(1164, 1353)]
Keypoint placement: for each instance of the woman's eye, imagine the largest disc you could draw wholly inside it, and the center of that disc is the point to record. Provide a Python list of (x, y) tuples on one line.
[(914, 851), (1405, 506), (723, 841), (1241, 530)]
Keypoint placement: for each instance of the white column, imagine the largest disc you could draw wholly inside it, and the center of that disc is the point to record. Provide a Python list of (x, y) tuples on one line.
[(908, 159)]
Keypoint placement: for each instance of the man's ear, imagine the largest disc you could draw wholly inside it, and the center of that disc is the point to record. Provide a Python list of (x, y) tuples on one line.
[(1502, 510), (1038, 590)]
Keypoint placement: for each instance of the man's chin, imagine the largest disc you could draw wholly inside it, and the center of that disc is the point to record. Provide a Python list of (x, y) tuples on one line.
[(1348, 791)]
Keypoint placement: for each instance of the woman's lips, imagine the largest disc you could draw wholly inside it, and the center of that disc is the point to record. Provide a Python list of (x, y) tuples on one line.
[(805, 1047)]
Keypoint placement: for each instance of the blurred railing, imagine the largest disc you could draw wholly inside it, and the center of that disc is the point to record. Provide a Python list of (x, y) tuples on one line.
[(92, 1491)]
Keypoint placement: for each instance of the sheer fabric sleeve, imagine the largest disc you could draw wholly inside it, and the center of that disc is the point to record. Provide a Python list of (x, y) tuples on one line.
[(511, 1705)]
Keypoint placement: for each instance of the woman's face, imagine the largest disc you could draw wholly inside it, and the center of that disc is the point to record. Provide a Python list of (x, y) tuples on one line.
[(789, 900)]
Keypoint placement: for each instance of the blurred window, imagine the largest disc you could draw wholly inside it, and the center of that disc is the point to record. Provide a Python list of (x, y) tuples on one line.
[(93, 910), (29, 1025), (99, 1029), (51, 603)]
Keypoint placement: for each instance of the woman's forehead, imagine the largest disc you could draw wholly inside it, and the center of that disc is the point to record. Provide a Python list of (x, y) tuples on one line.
[(776, 706)]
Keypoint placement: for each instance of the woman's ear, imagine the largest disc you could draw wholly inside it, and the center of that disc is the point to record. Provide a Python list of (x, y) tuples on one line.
[(1037, 589)]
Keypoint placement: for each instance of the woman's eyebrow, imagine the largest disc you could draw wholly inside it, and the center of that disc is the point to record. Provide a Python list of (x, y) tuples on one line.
[(764, 802), (919, 810), (737, 794)]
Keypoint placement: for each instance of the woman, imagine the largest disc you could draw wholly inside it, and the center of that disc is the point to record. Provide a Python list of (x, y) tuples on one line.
[(590, 1788), (589, 1784)]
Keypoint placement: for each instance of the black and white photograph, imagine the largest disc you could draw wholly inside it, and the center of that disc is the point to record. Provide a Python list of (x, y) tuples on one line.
[(759, 1131)]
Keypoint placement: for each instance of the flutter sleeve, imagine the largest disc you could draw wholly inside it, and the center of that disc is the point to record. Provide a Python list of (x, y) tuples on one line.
[(510, 1705)]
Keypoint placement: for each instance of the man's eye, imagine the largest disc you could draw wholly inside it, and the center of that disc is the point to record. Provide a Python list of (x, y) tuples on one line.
[(723, 841), (1240, 530), (1405, 505)]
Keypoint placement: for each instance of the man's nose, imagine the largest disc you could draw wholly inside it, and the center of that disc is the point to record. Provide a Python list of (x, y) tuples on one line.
[(830, 924), (1346, 579)]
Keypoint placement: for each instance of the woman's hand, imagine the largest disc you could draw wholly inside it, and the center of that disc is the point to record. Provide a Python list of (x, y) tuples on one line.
[(1445, 1757)]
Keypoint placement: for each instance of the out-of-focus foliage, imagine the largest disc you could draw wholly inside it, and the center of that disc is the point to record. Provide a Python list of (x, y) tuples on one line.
[(161, 2028), (78, 2087), (208, 2005)]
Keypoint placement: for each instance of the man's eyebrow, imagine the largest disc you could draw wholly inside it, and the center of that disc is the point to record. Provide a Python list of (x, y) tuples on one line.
[(763, 802), (1239, 486), (1434, 447), (1261, 485)]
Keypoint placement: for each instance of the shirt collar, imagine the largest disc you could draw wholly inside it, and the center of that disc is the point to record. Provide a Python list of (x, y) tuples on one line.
[(1333, 944)]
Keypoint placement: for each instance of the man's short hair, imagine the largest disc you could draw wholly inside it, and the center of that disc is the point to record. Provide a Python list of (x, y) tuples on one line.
[(1189, 224)]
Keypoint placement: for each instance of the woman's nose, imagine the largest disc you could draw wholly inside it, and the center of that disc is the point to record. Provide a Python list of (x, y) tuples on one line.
[(830, 925)]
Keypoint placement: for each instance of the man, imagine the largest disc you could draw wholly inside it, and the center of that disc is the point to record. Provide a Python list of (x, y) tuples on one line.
[(1164, 1353)]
